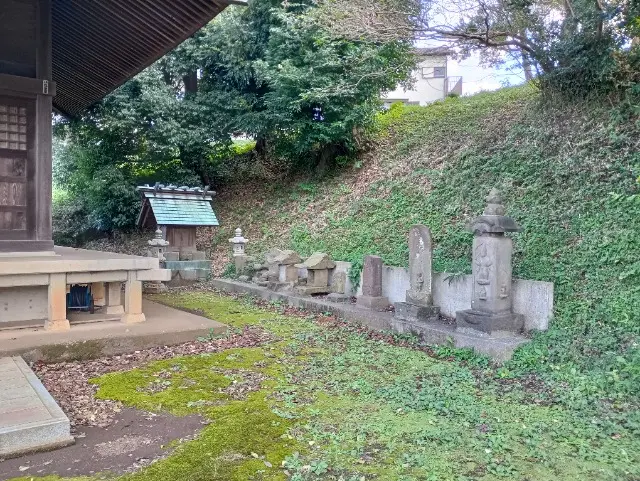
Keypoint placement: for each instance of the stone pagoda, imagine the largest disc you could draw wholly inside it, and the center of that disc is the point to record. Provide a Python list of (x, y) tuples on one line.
[(492, 301)]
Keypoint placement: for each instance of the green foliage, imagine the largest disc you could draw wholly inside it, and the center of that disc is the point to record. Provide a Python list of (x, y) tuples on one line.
[(70, 221)]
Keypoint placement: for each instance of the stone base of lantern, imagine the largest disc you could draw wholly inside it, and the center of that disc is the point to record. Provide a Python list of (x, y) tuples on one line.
[(497, 325), (373, 303), (406, 311), (155, 288), (277, 286), (311, 290)]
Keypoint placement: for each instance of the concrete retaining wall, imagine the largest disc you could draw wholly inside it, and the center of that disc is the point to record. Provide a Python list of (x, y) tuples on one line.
[(533, 299)]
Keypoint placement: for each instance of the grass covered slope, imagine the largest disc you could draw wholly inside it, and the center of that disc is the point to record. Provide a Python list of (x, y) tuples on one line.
[(567, 173)]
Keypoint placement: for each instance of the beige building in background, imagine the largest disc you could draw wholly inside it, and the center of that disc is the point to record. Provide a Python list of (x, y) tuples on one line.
[(430, 80)]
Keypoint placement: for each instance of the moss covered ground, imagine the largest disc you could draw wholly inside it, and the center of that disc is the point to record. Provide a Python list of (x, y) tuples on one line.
[(335, 402)]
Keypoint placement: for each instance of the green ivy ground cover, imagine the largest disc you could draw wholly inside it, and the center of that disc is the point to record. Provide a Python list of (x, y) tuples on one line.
[(337, 403)]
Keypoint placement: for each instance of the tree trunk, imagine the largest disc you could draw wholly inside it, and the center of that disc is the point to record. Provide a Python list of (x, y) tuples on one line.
[(190, 82), (526, 66)]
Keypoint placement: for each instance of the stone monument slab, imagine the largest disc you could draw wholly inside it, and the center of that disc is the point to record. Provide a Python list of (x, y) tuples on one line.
[(372, 297), (30, 420), (419, 298)]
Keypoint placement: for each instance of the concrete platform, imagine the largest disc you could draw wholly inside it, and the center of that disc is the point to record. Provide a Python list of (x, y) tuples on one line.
[(164, 326), (30, 420), (439, 332), (34, 288), (69, 260)]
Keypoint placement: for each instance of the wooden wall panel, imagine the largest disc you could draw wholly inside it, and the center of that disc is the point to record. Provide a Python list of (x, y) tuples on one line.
[(16, 163), (18, 37), (181, 238)]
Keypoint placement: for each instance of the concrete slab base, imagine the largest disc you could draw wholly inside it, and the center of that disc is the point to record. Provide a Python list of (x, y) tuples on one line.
[(498, 348), (496, 325), (310, 290), (30, 420), (164, 327), (405, 311), (338, 297), (279, 286), (438, 332), (375, 303)]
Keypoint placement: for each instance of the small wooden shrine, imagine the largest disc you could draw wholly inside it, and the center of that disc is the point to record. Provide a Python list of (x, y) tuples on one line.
[(177, 211)]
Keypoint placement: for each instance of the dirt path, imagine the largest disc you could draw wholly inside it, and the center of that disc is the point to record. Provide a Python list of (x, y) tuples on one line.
[(134, 439)]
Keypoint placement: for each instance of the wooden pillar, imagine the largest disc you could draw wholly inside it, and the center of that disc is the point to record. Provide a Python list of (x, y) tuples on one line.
[(113, 298), (133, 300), (44, 137), (57, 309)]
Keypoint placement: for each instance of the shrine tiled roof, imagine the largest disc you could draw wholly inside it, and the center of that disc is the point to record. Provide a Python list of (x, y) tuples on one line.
[(172, 205)]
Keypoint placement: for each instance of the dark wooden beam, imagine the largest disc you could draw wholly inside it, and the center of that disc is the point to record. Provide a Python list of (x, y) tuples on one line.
[(25, 85)]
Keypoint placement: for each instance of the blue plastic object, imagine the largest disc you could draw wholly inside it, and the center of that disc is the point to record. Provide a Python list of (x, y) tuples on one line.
[(79, 298)]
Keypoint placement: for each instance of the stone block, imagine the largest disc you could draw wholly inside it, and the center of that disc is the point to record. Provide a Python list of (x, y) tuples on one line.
[(317, 261), (203, 274), (278, 286), (415, 313), (311, 290), (419, 298), (36, 422), (188, 274), (374, 303), (288, 273), (172, 256), (338, 297), (318, 278), (497, 325), (199, 256), (338, 281), (287, 258), (154, 288), (372, 277), (187, 255)]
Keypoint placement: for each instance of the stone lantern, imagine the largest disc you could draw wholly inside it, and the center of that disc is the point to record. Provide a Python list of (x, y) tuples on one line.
[(158, 246), (492, 301), (240, 258), (318, 267)]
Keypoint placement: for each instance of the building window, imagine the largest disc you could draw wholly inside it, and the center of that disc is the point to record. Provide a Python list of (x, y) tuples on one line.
[(434, 72), (440, 72)]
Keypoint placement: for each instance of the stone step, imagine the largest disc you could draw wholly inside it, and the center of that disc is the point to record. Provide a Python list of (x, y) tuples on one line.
[(30, 419)]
